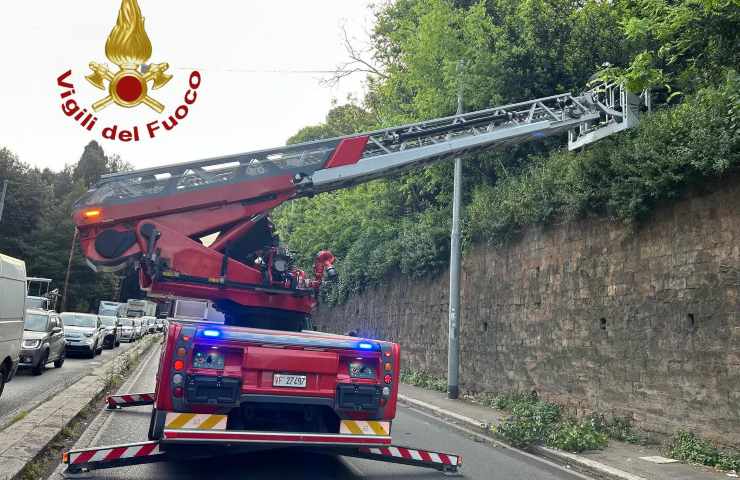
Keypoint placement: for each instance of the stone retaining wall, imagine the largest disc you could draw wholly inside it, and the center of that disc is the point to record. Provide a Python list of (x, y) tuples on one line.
[(641, 324)]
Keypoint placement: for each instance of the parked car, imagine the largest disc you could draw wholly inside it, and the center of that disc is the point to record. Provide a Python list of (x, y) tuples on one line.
[(112, 336), (128, 329), (84, 333), (151, 324), (12, 312), (144, 325), (43, 341), (138, 328)]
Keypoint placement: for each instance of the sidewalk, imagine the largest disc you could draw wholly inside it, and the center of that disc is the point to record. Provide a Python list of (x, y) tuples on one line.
[(621, 461), (25, 440)]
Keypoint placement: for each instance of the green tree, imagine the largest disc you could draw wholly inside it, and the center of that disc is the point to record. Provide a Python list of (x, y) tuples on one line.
[(94, 163), (685, 43), (37, 224), (514, 50), (341, 120), (27, 197)]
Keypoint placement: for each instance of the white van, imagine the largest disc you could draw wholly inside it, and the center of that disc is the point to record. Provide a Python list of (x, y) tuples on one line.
[(12, 312)]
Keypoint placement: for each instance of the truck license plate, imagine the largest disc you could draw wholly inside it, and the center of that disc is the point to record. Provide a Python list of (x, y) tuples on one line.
[(283, 380)]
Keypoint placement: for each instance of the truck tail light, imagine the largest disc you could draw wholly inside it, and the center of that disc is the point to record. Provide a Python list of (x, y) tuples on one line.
[(179, 364), (177, 392), (388, 364)]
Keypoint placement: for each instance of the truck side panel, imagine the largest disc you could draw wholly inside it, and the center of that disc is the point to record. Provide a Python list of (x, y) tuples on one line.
[(12, 312)]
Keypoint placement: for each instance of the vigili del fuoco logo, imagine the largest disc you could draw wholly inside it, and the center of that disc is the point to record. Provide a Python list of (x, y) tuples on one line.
[(129, 85)]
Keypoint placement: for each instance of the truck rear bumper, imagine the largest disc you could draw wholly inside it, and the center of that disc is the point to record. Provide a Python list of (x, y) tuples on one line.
[(201, 437), (95, 458)]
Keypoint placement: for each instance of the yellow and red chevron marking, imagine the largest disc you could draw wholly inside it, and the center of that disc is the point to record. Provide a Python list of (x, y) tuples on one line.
[(108, 454), (194, 421), (365, 427)]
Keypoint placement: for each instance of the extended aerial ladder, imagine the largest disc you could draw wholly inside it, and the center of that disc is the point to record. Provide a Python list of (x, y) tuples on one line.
[(148, 218), (201, 229)]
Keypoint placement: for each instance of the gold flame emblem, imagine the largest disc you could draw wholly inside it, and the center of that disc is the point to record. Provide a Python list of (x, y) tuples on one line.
[(129, 47)]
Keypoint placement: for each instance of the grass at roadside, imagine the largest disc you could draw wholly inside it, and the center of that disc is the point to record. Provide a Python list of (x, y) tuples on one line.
[(17, 418), (123, 365), (534, 421), (688, 447)]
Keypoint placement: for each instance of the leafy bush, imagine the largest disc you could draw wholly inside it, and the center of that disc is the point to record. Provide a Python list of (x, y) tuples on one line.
[(509, 400), (577, 437), (531, 420), (424, 379), (519, 432), (616, 428), (535, 421), (625, 176), (688, 447)]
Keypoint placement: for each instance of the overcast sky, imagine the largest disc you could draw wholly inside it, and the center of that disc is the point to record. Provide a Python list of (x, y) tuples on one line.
[(237, 45)]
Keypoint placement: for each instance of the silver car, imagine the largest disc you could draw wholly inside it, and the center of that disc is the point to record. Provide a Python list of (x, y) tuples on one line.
[(84, 333), (138, 327), (151, 324), (128, 329)]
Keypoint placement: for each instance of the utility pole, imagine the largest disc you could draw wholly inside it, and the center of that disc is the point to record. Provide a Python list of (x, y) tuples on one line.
[(453, 350), (2, 199), (69, 267)]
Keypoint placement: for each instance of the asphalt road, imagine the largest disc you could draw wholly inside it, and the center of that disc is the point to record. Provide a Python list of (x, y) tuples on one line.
[(481, 460), (26, 390)]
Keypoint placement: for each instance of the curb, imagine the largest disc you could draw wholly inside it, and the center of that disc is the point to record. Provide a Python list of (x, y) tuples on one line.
[(26, 439), (569, 460)]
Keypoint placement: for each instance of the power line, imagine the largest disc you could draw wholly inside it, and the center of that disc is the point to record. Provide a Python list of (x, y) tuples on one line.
[(274, 71)]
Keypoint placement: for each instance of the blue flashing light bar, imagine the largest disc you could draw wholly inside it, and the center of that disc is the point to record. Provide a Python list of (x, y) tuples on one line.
[(211, 333), (365, 346)]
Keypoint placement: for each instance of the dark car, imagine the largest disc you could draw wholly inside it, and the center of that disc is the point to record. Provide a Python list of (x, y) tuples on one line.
[(43, 341), (113, 331), (84, 333)]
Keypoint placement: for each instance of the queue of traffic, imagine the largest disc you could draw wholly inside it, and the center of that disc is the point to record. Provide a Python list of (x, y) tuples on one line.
[(33, 335)]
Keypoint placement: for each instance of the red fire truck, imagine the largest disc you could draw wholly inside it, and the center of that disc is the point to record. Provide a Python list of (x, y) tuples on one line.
[(264, 379)]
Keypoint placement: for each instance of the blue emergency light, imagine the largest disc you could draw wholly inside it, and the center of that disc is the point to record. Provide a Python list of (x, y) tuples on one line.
[(365, 346), (211, 333)]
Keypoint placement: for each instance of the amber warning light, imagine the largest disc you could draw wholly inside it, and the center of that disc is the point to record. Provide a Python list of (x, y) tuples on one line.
[(92, 214)]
